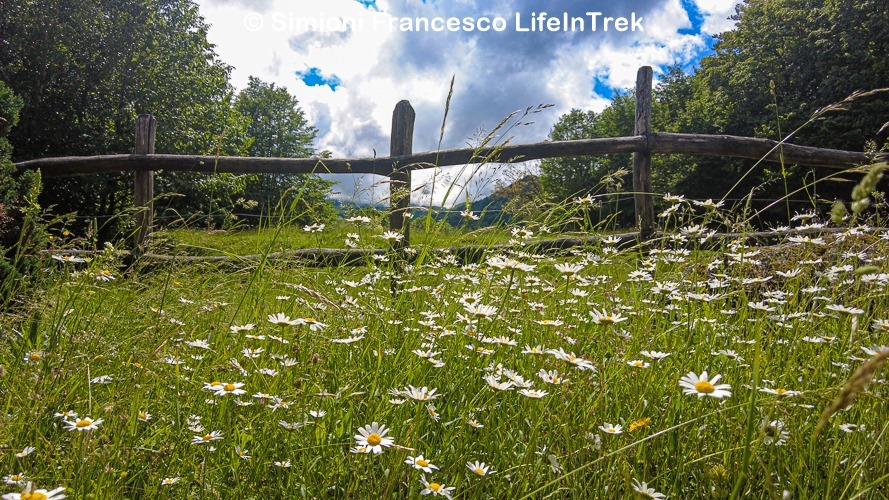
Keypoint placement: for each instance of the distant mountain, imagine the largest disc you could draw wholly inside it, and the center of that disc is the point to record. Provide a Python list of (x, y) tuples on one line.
[(492, 209)]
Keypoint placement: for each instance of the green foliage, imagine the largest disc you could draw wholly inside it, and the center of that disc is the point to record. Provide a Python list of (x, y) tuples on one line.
[(86, 70), (784, 61), (579, 176), (277, 128), (21, 231)]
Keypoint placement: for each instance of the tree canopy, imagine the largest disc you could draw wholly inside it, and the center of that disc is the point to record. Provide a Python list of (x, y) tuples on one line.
[(86, 69), (768, 77)]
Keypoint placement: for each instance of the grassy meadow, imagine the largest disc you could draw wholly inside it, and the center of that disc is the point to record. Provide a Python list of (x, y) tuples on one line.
[(598, 372)]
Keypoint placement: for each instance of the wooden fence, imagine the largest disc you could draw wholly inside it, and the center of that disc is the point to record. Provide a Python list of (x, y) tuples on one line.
[(401, 161)]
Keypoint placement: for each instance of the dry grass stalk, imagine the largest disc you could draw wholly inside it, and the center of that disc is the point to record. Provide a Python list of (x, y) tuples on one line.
[(853, 387)]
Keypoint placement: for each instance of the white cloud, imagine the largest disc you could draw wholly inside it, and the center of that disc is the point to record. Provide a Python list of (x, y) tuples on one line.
[(716, 14), (495, 73)]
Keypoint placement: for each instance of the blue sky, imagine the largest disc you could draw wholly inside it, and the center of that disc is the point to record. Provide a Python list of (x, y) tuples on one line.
[(348, 67)]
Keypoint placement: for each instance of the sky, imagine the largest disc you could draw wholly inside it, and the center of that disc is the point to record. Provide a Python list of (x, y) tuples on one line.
[(348, 62)]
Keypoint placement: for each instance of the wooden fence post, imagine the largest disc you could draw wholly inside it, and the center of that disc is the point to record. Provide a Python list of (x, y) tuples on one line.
[(642, 159), (401, 144), (143, 194)]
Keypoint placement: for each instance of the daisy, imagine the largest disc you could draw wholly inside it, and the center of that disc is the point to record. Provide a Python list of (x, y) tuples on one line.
[(392, 236), (780, 391), (638, 363), (242, 328), (703, 386), (347, 340), (532, 393), (568, 269), (229, 388), (282, 319), (168, 481), (538, 349), (774, 433), (475, 424), (655, 354), (30, 493), (512, 264), (291, 426), (551, 377), (314, 324), (853, 311), (421, 463), (481, 311), (496, 384), (420, 394), (436, 489), (206, 438), (603, 318), (83, 424), (14, 478), (480, 468), (373, 437), (27, 451), (34, 357), (143, 416), (611, 429), (317, 413), (645, 491)]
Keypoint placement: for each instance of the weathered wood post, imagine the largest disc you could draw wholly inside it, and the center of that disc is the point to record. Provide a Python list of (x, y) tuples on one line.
[(401, 143), (642, 159), (143, 194)]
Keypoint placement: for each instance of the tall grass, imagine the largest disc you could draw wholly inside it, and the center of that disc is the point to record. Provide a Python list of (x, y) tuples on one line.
[(574, 374)]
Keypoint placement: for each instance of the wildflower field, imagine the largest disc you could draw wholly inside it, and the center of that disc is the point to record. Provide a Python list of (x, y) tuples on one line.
[(691, 367)]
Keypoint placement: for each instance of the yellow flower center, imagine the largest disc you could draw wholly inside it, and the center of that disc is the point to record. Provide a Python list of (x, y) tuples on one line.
[(16, 477), (35, 356), (705, 387), (422, 463), (84, 423), (434, 486), (310, 320), (555, 380), (229, 387), (374, 439), (215, 383), (611, 430), (638, 363), (479, 471), (207, 437), (780, 391), (33, 495), (143, 415)]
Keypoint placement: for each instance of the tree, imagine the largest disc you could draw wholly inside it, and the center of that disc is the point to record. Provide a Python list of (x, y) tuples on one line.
[(570, 177), (85, 69), (769, 76), (277, 128), (20, 228)]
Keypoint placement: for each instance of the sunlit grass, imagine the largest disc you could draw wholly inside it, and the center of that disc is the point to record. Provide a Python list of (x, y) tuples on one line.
[(583, 364)]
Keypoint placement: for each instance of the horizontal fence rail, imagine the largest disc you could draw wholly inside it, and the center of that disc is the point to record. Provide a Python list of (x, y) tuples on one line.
[(656, 143), (399, 164)]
